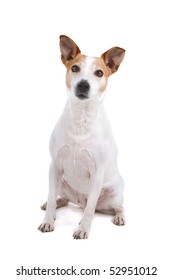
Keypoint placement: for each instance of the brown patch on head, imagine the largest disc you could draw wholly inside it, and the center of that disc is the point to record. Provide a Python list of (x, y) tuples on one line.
[(100, 65), (113, 58), (76, 61), (69, 49)]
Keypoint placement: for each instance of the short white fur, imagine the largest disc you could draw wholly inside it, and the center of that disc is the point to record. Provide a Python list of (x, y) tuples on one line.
[(84, 155)]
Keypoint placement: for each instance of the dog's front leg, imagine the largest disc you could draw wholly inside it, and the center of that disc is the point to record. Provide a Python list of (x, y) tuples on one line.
[(96, 184), (50, 215)]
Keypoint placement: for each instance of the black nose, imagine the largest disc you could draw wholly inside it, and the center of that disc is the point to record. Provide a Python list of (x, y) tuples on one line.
[(82, 89)]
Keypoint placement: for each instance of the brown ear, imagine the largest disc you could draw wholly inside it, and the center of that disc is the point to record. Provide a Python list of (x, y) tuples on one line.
[(113, 58), (69, 50)]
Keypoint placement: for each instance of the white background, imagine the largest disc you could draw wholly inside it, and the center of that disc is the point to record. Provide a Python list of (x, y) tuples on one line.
[(140, 107)]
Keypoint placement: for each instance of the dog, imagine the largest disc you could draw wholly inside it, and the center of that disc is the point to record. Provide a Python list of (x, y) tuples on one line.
[(83, 169)]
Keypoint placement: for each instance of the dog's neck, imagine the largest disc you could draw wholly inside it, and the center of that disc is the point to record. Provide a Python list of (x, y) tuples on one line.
[(82, 117)]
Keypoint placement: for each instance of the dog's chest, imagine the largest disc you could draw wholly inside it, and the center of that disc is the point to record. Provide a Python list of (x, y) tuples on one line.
[(78, 165)]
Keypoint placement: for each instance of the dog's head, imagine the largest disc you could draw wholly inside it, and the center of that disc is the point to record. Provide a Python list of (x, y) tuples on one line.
[(87, 76)]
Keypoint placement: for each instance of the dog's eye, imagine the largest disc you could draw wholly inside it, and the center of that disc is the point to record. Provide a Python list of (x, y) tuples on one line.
[(99, 73), (75, 68)]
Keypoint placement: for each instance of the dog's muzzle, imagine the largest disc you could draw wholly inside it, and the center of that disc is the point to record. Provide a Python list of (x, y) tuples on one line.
[(82, 89)]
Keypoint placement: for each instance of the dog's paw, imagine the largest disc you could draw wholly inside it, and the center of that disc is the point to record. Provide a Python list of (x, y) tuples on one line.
[(119, 219), (43, 206), (80, 234), (46, 227)]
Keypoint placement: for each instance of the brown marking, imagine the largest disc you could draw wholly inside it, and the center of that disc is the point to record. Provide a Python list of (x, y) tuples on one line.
[(69, 49), (101, 65), (76, 61), (113, 58)]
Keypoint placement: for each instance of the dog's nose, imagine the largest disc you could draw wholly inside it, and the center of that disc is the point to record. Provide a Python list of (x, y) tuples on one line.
[(83, 86), (82, 89)]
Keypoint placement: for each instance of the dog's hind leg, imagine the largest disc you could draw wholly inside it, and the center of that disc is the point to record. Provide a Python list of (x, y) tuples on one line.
[(59, 203), (117, 211), (119, 218), (117, 206), (117, 201), (111, 201), (113, 209)]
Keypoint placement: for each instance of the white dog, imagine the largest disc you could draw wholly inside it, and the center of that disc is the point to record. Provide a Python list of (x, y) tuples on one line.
[(84, 156)]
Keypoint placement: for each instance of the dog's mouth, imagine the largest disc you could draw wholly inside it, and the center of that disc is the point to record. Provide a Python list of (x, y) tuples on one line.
[(81, 96)]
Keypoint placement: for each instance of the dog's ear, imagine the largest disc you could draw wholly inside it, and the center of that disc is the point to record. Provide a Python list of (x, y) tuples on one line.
[(113, 58), (69, 49)]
